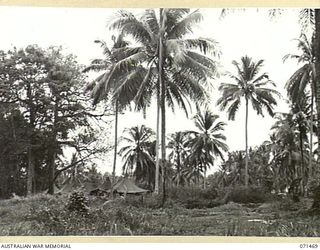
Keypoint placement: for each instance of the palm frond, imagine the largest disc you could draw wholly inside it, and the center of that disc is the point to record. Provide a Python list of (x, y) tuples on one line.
[(185, 25)]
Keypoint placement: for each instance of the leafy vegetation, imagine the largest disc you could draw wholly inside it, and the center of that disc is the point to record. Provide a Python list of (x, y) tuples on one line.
[(49, 111), (52, 217)]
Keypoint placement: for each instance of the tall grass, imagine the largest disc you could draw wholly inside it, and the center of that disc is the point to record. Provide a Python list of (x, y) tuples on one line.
[(51, 215)]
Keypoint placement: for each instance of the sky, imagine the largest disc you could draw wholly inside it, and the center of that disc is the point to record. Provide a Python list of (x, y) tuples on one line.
[(240, 33)]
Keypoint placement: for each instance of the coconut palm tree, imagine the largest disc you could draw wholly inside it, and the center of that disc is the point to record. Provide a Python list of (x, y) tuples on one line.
[(178, 64), (251, 87), (302, 79), (310, 20), (300, 111), (178, 152), (105, 86), (136, 153), (298, 124), (287, 149), (233, 168), (206, 143)]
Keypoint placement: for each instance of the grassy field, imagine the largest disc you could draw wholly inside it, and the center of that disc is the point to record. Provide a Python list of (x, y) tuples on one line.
[(51, 215)]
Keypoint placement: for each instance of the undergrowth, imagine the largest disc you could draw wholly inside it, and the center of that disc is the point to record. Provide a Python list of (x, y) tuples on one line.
[(81, 215)]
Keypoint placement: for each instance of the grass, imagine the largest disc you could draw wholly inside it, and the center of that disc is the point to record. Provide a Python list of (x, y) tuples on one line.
[(49, 215)]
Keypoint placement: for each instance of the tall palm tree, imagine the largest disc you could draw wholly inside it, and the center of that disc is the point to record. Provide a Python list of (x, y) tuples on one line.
[(136, 153), (105, 86), (251, 87), (302, 79), (287, 152), (178, 64), (310, 20), (300, 111), (208, 142)]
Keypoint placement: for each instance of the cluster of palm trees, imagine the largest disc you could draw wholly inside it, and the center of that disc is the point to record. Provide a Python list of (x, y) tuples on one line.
[(291, 145), (295, 131), (191, 153), (163, 62), (251, 86)]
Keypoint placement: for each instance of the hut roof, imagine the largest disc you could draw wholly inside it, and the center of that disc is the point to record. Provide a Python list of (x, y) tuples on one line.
[(127, 186)]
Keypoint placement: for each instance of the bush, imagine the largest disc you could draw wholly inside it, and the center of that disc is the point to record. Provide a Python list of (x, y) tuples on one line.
[(194, 197), (78, 203), (185, 193), (198, 203), (242, 194), (153, 201)]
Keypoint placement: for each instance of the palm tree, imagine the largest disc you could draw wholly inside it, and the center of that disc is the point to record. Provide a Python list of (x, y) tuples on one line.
[(233, 167), (296, 121), (310, 20), (287, 152), (208, 142), (179, 65), (301, 79), (105, 86), (251, 87), (300, 111), (136, 153), (178, 152)]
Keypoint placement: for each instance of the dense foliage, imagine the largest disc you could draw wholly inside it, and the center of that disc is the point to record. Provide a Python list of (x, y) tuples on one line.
[(43, 112)]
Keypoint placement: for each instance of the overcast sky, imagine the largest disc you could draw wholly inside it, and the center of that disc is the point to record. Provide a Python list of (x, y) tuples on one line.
[(240, 33)]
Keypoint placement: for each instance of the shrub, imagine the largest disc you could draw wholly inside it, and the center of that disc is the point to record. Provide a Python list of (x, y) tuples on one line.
[(78, 202), (242, 194), (193, 197), (152, 201), (199, 203)]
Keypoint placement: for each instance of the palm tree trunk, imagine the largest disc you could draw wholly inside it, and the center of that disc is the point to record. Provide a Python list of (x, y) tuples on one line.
[(178, 167), (204, 178), (316, 200), (163, 107), (311, 135), (246, 181), (302, 163), (317, 69), (156, 185), (115, 142)]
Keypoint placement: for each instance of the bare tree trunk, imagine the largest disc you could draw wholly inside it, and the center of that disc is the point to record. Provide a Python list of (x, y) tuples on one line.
[(30, 177), (246, 176), (31, 164), (163, 105), (115, 142), (52, 160), (156, 186), (53, 149)]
